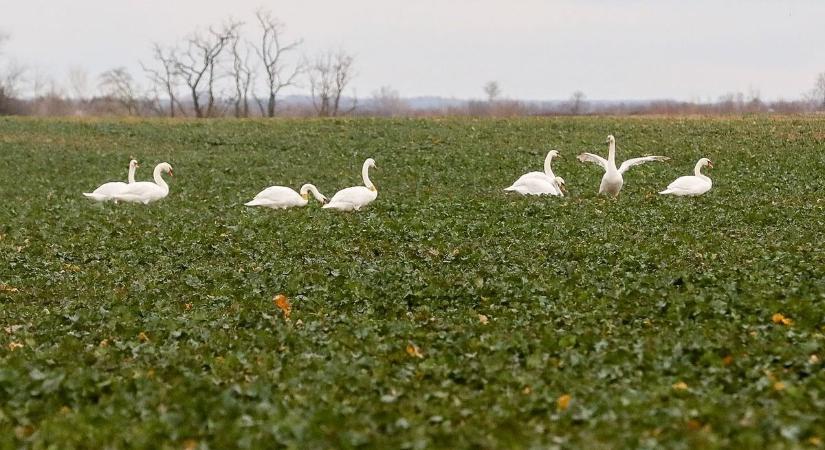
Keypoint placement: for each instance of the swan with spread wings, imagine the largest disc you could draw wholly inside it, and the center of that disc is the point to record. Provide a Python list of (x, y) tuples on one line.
[(612, 181)]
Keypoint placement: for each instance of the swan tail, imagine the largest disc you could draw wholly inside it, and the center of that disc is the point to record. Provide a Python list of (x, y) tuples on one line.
[(258, 202), (666, 191), (96, 197)]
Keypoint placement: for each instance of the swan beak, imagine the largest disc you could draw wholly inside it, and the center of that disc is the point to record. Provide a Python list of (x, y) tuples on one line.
[(324, 200), (563, 188), (710, 165), (171, 174)]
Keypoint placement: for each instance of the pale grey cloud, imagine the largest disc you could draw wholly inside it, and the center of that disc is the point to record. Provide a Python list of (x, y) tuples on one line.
[(536, 49)]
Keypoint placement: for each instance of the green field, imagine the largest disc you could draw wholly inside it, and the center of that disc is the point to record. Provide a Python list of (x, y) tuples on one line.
[(155, 327)]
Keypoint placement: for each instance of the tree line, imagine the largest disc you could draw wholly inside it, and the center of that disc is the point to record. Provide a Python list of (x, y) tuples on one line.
[(239, 69), (232, 69)]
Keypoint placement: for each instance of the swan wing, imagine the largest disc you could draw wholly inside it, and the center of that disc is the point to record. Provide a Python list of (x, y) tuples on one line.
[(106, 190), (277, 197), (636, 161), (142, 191), (589, 157), (352, 198), (687, 185), (534, 186)]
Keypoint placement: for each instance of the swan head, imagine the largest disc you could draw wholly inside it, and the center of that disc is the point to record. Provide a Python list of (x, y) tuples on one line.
[(133, 164), (706, 163), (166, 167), (554, 154), (610, 139), (307, 188), (561, 185), (370, 163)]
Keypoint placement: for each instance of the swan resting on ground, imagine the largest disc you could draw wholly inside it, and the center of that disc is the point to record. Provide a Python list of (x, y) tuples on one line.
[(697, 184), (146, 191), (282, 197), (106, 190), (356, 197), (540, 183), (612, 180)]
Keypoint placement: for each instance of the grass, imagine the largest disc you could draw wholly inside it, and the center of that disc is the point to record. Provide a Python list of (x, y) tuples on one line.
[(446, 315)]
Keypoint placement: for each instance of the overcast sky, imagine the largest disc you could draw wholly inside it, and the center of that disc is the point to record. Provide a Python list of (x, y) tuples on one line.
[(536, 49)]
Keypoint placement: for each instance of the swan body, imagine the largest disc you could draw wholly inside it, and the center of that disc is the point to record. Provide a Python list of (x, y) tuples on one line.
[(282, 197), (146, 191), (697, 184), (612, 181), (540, 183), (356, 197), (106, 190)]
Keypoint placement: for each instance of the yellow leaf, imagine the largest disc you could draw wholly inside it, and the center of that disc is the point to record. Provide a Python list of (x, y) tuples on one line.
[(815, 441), (563, 402), (483, 319), (143, 337), (190, 444), (779, 386), (813, 359), (283, 304), (414, 351), (728, 360), (15, 345), (6, 288), (680, 386), (527, 390), (781, 320)]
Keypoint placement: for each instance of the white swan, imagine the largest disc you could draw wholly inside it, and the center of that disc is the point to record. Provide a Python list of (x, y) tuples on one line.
[(540, 183), (356, 197), (612, 180), (697, 184), (282, 197), (146, 191), (106, 190)]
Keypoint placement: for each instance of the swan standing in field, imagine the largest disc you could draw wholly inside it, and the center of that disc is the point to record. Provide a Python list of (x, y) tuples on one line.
[(356, 197), (540, 183), (612, 180), (106, 190), (282, 197), (697, 184), (146, 191)]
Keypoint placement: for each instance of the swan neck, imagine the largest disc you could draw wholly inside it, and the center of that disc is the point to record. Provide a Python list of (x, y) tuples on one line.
[(611, 154), (159, 179), (131, 177), (315, 192), (548, 169), (366, 176), (698, 169)]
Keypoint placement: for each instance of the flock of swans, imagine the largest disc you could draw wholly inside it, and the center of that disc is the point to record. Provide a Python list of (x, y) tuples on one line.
[(356, 197), (547, 183)]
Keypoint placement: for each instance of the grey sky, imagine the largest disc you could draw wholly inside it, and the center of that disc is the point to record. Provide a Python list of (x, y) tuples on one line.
[(535, 49)]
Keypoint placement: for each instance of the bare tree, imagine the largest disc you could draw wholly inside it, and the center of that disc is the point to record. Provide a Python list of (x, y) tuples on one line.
[(243, 75), (119, 85), (272, 53), (198, 65), (578, 103), (11, 78), (493, 90), (164, 78), (387, 102), (79, 83), (329, 76), (818, 93)]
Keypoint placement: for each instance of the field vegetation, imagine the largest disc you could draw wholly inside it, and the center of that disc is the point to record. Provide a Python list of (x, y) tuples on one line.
[(445, 315)]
